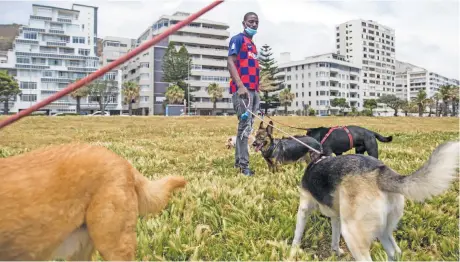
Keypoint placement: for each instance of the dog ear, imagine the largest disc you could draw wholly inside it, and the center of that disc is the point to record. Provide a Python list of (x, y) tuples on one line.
[(270, 128), (261, 126)]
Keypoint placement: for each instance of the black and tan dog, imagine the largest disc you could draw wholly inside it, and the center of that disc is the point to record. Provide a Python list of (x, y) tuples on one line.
[(281, 151), (365, 198), (339, 140)]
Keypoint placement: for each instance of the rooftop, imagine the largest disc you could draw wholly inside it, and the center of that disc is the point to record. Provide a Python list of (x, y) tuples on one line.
[(326, 57)]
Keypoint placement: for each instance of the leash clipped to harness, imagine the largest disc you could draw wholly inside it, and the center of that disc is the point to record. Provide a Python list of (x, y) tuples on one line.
[(309, 147)]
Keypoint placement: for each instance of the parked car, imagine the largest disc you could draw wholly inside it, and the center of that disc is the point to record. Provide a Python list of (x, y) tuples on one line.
[(99, 113)]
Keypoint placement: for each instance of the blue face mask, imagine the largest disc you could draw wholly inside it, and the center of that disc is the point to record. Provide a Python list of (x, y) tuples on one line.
[(250, 31)]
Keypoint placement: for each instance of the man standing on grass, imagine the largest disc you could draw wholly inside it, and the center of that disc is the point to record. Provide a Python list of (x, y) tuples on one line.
[(244, 85)]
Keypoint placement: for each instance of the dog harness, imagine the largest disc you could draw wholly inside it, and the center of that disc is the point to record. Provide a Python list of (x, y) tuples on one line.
[(339, 127)]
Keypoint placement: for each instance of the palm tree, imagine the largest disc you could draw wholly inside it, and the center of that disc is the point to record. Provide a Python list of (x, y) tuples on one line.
[(430, 103), (286, 98), (130, 93), (175, 94), (215, 92), (445, 92), (454, 99), (78, 94), (436, 97), (421, 101)]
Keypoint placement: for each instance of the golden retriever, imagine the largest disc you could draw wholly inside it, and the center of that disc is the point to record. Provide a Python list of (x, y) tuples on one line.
[(67, 201)]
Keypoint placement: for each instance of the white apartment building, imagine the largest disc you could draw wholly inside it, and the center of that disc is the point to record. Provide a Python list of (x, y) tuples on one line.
[(371, 46), (207, 43), (57, 47), (410, 79), (115, 47), (317, 80)]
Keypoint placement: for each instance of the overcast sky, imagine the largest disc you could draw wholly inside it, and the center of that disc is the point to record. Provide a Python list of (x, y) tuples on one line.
[(427, 31)]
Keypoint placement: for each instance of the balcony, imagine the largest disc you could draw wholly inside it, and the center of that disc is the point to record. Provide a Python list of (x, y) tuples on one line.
[(56, 44), (64, 20), (55, 31), (210, 62), (204, 30), (198, 40), (207, 51), (37, 17), (199, 72)]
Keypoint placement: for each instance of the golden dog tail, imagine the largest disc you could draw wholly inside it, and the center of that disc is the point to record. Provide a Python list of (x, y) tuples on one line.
[(153, 196), (433, 178)]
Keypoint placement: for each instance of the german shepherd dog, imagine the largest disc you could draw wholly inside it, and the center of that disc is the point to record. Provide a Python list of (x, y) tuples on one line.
[(339, 141), (365, 198), (281, 151), (67, 201)]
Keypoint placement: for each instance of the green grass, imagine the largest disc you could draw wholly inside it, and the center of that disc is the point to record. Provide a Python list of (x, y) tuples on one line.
[(222, 215)]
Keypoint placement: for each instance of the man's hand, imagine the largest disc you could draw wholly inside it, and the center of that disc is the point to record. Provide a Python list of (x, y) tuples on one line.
[(243, 91)]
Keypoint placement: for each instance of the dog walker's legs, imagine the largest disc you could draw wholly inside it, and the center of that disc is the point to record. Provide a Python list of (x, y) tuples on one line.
[(306, 205), (357, 244), (335, 244)]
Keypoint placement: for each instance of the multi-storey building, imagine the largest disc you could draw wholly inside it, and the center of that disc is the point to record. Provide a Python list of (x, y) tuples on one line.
[(371, 46), (207, 43), (115, 47), (57, 47), (317, 80), (410, 79)]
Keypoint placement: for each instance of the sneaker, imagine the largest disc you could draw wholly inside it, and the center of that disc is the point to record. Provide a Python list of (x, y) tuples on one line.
[(247, 172)]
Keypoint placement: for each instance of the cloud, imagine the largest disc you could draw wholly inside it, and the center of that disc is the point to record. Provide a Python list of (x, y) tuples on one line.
[(427, 31)]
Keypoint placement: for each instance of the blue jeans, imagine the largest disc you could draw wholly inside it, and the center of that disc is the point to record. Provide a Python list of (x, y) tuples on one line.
[(244, 126)]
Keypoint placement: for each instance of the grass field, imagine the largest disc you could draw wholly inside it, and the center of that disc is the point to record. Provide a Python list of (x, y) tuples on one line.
[(222, 215)]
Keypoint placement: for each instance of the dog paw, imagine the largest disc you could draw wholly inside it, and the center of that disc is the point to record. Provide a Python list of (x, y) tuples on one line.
[(338, 251)]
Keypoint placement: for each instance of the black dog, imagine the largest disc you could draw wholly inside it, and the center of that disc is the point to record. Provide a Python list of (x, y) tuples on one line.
[(338, 140), (281, 151)]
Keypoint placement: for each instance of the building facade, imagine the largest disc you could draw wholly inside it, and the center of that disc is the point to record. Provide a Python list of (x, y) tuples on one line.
[(317, 80), (371, 46), (410, 79), (207, 43), (57, 47), (115, 47)]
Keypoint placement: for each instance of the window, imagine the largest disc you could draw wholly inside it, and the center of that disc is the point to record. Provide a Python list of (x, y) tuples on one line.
[(28, 85), (144, 65), (47, 73), (28, 97), (144, 88), (84, 52), (215, 78), (78, 40), (144, 98), (22, 60), (30, 35)]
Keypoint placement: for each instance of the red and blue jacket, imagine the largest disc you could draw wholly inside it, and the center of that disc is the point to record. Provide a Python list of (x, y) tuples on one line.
[(246, 64)]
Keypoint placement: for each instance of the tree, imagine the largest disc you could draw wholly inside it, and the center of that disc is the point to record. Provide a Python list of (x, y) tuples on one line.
[(370, 104), (286, 98), (130, 93), (177, 67), (174, 95), (268, 70), (430, 104), (215, 92), (78, 94), (421, 101), (340, 102), (101, 91), (392, 101), (436, 97), (9, 89), (408, 107), (445, 92), (454, 99)]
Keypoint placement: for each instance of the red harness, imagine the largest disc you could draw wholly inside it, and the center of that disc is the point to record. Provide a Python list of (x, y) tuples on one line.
[(338, 127)]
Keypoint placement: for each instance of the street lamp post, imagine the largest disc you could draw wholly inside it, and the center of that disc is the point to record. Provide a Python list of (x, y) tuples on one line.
[(188, 86)]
